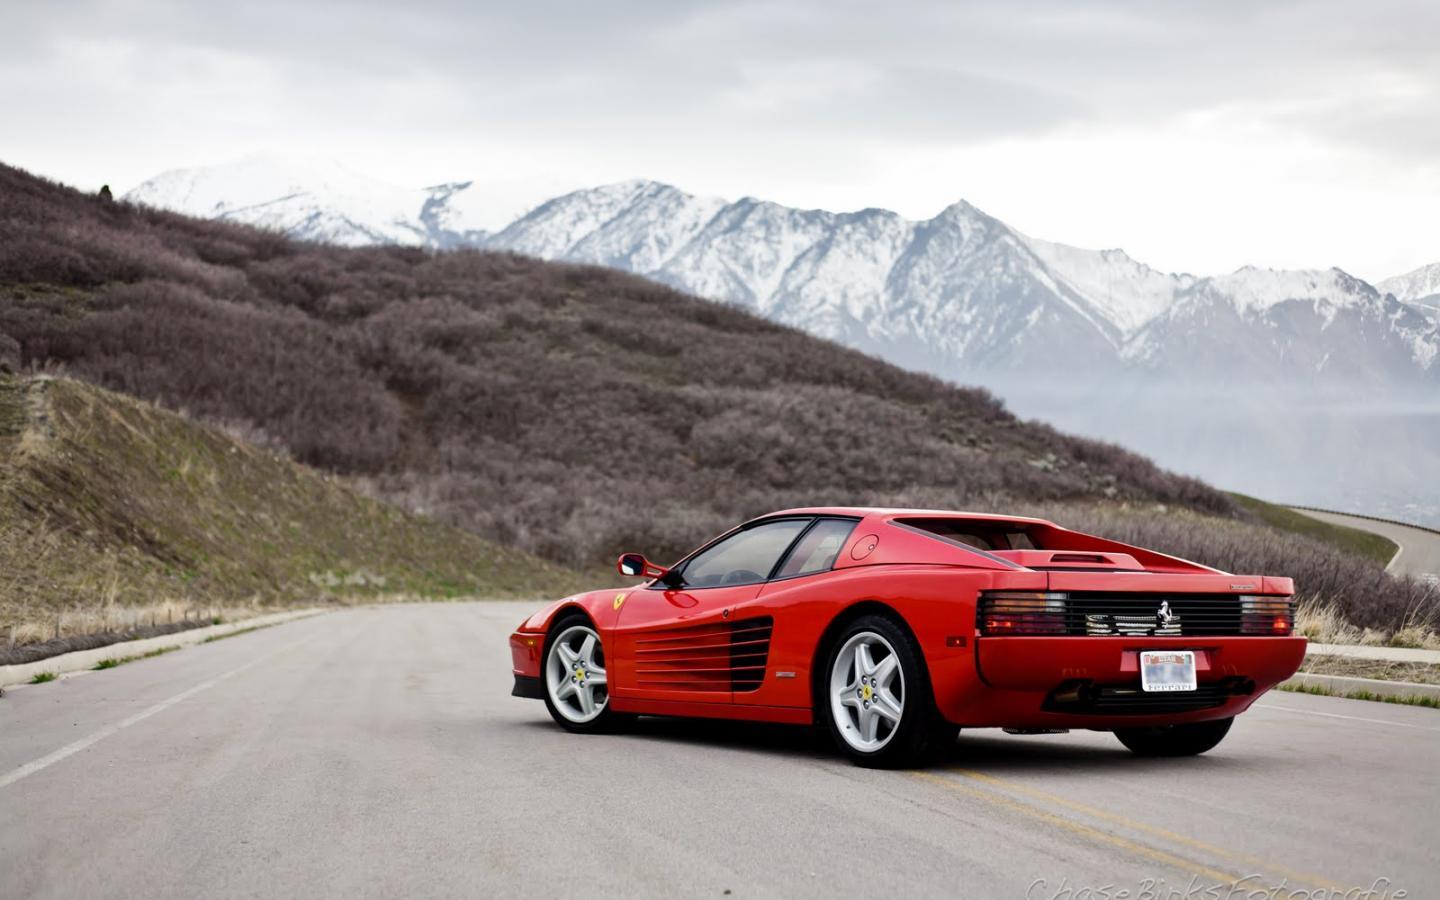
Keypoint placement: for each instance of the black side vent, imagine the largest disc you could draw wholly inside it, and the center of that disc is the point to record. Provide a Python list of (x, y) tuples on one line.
[(750, 652), (723, 656)]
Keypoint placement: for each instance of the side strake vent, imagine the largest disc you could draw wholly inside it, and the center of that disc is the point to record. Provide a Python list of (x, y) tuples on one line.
[(730, 656)]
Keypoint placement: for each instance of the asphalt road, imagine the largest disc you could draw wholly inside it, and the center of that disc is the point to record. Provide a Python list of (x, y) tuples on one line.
[(1419, 549), (377, 752)]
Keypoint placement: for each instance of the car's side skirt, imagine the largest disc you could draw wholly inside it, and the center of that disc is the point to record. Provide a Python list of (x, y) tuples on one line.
[(786, 715)]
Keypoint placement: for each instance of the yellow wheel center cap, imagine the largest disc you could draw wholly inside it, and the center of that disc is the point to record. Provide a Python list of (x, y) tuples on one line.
[(580, 674), (866, 692)]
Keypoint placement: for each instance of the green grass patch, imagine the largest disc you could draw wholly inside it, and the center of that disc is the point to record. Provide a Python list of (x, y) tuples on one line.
[(1354, 540), (1321, 691), (220, 637), (122, 660), (42, 677)]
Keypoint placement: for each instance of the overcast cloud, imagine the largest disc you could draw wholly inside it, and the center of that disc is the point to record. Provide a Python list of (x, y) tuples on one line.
[(1198, 136)]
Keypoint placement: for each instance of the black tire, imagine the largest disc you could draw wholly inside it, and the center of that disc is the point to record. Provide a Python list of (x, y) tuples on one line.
[(1175, 740), (921, 734), (607, 720)]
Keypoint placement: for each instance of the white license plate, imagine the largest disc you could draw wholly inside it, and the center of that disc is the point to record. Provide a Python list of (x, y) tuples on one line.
[(1167, 670)]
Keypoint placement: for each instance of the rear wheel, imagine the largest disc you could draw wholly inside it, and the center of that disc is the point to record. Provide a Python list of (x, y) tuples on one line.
[(877, 700), (577, 691), (1175, 740)]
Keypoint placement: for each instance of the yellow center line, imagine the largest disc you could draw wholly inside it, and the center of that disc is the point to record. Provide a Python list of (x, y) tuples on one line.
[(1182, 863), (1256, 862)]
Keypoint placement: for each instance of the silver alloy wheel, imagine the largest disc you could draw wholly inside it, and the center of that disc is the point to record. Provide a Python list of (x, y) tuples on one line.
[(575, 674), (867, 691)]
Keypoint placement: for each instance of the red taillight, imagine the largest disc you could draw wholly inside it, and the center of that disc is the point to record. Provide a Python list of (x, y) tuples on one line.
[(999, 625), (1266, 615), (1021, 612)]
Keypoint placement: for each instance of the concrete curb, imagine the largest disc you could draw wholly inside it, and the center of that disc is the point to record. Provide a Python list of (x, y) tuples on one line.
[(1344, 684), (87, 659), (1388, 654)]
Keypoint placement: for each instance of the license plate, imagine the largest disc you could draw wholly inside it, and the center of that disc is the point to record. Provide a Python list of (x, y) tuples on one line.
[(1167, 670)]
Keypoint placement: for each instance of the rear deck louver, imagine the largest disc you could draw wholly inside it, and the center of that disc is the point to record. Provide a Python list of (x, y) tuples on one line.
[(730, 656)]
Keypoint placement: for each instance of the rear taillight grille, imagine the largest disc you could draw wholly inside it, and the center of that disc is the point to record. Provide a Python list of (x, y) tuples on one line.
[(1014, 612), (1266, 615), (1098, 614)]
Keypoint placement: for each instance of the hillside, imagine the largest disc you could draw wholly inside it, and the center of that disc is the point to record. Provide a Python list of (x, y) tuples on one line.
[(570, 411), (106, 501)]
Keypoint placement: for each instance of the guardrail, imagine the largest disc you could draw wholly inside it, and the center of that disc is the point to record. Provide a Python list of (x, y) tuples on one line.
[(1353, 515)]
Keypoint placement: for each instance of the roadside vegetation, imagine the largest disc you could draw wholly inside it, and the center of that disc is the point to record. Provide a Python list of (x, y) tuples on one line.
[(1382, 669), (569, 412), (119, 520), (116, 661), (1429, 702)]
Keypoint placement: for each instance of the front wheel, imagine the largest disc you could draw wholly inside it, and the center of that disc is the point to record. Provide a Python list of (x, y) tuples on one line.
[(877, 700), (577, 688), (1175, 740)]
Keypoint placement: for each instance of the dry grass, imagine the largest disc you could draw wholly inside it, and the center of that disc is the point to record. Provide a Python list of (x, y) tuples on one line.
[(34, 626), (1384, 670)]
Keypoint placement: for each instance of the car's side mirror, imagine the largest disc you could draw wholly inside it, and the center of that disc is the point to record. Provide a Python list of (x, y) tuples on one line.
[(636, 566)]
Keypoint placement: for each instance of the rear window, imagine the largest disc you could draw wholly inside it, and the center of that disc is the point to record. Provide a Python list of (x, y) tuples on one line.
[(977, 534), (816, 551)]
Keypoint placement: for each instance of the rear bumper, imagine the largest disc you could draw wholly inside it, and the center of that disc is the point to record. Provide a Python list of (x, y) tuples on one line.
[(1094, 682)]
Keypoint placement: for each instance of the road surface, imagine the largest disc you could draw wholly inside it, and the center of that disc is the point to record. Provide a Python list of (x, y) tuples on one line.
[(377, 753), (1419, 549)]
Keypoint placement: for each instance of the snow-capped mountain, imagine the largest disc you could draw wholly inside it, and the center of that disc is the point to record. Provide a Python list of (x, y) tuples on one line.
[(960, 294), (1418, 288), (320, 200), (963, 293)]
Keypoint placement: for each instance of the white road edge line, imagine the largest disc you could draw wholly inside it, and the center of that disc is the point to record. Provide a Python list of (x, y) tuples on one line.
[(1311, 712), (69, 750)]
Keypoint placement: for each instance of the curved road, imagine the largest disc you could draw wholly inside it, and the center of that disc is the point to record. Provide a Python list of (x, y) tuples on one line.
[(377, 753), (1419, 549)]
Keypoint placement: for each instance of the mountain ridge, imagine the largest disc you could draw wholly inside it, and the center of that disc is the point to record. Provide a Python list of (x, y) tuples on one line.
[(962, 291)]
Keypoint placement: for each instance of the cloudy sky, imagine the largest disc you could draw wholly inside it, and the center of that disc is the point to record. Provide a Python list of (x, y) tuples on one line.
[(1199, 136)]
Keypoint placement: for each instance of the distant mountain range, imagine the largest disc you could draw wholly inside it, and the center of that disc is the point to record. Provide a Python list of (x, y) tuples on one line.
[(958, 294), (1058, 331)]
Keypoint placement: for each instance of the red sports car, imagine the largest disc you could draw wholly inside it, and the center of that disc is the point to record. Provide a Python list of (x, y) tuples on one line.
[(895, 628)]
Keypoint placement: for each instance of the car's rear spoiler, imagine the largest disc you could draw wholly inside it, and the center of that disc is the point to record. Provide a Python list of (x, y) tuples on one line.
[(1084, 560)]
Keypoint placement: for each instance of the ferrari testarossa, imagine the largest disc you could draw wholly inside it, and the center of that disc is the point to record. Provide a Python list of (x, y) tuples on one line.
[(895, 628)]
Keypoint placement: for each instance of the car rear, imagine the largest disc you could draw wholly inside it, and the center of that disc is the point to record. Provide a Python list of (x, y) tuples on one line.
[(1107, 646)]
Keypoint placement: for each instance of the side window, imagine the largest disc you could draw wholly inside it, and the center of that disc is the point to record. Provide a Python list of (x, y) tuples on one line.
[(744, 558), (817, 550)]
